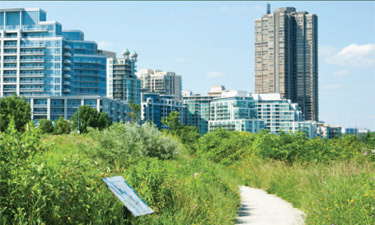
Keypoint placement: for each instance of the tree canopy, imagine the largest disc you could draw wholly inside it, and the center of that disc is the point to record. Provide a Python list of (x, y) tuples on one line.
[(16, 108), (90, 117)]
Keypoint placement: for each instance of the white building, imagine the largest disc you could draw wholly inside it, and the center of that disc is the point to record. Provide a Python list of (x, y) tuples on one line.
[(165, 83)]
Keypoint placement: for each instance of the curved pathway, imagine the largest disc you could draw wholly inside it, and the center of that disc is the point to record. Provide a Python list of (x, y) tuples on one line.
[(260, 208)]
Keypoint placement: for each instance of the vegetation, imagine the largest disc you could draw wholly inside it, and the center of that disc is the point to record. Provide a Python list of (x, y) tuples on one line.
[(45, 126), (183, 177), (90, 117), (14, 108), (135, 110), (62, 126)]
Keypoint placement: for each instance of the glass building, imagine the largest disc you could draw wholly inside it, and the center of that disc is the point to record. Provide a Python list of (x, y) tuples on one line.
[(234, 110), (155, 107), (122, 83), (38, 58)]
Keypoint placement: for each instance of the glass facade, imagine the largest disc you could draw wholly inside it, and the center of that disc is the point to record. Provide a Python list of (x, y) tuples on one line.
[(39, 59)]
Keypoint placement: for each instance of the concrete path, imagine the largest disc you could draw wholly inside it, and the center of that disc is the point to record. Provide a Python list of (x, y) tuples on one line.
[(260, 208)]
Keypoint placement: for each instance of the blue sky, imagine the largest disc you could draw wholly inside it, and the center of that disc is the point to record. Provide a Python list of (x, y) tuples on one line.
[(212, 43)]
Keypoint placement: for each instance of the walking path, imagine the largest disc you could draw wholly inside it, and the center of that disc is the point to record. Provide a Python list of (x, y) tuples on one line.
[(260, 208)]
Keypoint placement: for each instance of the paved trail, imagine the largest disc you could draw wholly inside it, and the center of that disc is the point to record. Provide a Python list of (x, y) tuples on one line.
[(260, 208)]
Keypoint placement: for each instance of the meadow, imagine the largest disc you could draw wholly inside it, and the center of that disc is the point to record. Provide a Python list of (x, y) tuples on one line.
[(57, 179)]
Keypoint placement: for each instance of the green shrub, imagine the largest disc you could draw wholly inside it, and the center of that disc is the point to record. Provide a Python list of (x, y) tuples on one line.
[(14, 108), (124, 144), (45, 126), (62, 126)]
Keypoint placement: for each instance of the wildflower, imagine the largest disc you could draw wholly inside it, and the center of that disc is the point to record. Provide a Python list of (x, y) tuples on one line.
[(366, 194), (68, 218), (352, 200), (58, 216)]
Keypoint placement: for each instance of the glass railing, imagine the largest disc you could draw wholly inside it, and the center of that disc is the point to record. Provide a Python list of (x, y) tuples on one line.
[(34, 28), (32, 67), (31, 89), (31, 74), (32, 45), (33, 53)]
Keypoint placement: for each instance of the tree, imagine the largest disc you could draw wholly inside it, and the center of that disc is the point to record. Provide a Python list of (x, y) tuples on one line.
[(173, 122), (62, 126), (135, 109), (45, 126), (16, 108), (90, 117)]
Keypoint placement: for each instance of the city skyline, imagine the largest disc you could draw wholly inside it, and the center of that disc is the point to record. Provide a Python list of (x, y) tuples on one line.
[(214, 44)]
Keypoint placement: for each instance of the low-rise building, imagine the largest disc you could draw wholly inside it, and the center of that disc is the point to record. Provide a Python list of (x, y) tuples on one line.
[(52, 107)]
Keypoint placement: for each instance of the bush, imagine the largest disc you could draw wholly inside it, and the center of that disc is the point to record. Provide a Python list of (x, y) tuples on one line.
[(45, 126), (125, 144), (62, 126), (90, 117), (16, 108)]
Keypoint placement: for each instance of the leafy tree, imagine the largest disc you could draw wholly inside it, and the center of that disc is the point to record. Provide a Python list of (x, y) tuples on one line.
[(189, 136), (173, 122), (45, 126), (135, 110), (90, 117), (16, 108), (62, 126)]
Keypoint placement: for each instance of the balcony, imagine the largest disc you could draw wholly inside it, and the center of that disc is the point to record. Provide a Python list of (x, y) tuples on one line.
[(68, 76), (67, 90), (9, 89), (34, 28), (67, 47), (31, 90), (40, 82), (66, 68), (67, 54), (67, 61), (10, 68), (33, 53), (40, 105), (67, 83), (33, 46), (32, 68), (10, 53), (32, 60), (10, 61), (10, 75), (10, 46), (32, 75)]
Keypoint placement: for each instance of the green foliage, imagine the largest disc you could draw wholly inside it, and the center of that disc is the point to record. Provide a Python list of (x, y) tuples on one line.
[(45, 126), (173, 122), (90, 117), (16, 108), (125, 144), (62, 126), (135, 110)]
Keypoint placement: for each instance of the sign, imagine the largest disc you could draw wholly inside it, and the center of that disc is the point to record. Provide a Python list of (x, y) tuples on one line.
[(128, 196)]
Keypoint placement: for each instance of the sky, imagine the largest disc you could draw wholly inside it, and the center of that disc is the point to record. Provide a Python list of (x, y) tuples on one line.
[(212, 43)]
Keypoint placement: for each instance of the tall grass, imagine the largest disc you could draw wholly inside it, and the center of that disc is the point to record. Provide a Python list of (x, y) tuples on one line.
[(335, 193)]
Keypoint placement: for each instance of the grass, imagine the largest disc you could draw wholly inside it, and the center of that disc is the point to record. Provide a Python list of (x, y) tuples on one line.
[(335, 193), (168, 186)]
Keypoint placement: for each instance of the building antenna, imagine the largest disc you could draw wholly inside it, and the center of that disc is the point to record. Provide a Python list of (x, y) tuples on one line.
[(268, 8)]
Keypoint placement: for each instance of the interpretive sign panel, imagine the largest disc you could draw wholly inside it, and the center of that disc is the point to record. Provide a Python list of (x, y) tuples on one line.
[(128, 196)]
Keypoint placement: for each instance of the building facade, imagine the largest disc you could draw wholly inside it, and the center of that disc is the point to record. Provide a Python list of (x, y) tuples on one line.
[(279, 113), (286, 57), (38, 58), (52, 107), (122, 83), (155, 107), (164, 83), (234, 110)]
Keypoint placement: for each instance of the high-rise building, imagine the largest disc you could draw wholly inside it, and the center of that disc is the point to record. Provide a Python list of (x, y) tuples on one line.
[(38, 58), (56, 70), (165, 83), (122, 83), (286, 57)]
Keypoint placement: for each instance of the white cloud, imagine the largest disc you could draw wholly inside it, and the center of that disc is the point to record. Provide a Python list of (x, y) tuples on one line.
[(214, 74), (332, 86), (180, 60), (104, 44), (354, 55), (341, 73)]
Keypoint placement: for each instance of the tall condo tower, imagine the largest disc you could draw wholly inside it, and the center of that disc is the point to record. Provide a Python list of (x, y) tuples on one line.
[(286, 57)]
